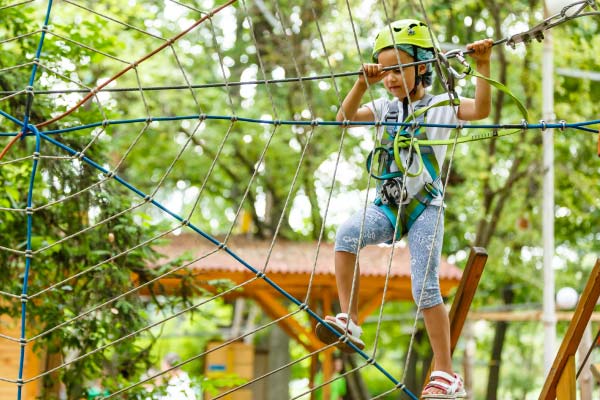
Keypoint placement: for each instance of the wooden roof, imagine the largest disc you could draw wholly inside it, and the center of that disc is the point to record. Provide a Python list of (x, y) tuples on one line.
[(291, 265)]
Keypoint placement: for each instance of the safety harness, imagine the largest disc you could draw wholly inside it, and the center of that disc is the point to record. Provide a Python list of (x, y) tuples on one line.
[(392, 192)]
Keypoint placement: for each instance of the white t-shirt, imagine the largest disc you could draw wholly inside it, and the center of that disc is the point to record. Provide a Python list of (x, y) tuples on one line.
[(436, 115)]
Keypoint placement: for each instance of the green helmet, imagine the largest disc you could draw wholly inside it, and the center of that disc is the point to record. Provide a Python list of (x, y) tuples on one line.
[(405, 31)]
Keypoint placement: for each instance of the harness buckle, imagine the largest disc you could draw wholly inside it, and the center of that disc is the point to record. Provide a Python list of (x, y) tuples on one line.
[(393, 192)]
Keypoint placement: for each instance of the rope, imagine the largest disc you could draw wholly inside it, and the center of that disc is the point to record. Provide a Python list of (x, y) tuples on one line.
[(101, 128)]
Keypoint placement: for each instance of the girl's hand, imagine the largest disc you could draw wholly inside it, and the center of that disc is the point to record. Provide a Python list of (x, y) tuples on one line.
[(482, 50), (373, 73)]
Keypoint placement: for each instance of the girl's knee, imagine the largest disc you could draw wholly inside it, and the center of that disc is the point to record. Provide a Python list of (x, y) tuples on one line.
[(346, 238), (427, 298)]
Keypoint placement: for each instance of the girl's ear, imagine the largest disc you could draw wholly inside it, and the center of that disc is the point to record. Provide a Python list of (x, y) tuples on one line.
[(422, 69)]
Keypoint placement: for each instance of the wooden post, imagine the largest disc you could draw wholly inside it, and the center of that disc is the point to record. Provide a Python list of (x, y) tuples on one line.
[(464, 296), (564, 365)]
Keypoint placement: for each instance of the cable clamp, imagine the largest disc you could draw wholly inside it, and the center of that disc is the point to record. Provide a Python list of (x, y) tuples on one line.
[(234, 118), (185, 222), (303, 306), (260, 274), (24, 298), (314, 122), (109, 174), (149, 120), (29, 210), (36, 155), (28, 253), (524, 124), (563, 125), (277, 122), (147, 198), (202, 117), (544, 125)]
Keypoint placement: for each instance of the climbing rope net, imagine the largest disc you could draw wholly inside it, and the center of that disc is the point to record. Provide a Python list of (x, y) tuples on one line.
[(78, 111)]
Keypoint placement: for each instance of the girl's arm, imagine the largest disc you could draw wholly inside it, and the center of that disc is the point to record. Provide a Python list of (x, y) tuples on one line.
[(351, 109), (480, 106)]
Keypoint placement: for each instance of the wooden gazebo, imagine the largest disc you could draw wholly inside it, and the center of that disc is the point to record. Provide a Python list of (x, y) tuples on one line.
[(305, 271), (292, 266)]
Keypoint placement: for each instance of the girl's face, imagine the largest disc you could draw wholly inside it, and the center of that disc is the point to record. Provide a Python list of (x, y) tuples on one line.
[(393, 79)]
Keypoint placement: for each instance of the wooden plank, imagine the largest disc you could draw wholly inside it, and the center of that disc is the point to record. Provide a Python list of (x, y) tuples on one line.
[(465, 293), (464, 296), (569, 345), (567, 383)]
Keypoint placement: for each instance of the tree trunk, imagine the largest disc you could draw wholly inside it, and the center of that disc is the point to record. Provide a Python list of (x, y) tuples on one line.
[(357, 389), (496, 355), (279, 355)]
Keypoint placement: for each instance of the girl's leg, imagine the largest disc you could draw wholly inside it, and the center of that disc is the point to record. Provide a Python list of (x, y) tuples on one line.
[(344, 274), (377, 229), (425, 244), (438, 330)]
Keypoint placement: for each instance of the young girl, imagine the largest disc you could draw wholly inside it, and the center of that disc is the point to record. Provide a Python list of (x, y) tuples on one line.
[(414, 187)]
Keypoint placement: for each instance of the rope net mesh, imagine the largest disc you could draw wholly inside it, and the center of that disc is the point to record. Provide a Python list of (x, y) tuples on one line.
[(128, 124), (121, 131)]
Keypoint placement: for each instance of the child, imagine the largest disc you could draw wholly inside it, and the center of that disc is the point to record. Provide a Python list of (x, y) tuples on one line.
[(407, 187)]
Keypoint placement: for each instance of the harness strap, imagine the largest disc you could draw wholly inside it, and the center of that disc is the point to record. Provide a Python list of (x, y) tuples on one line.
[(425, 155)]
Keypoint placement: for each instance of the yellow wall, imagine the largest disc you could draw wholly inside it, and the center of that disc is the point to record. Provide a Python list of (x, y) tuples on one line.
[(235, 358), (9, 363)]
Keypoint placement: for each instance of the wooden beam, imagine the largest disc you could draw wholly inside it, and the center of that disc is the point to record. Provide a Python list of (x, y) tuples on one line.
[(567, 383), (464, 296), (524, 316), (276, 310), (568, 347), (367, 307)]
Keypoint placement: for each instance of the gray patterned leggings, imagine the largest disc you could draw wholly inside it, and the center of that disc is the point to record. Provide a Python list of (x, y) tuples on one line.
[(378, 229)]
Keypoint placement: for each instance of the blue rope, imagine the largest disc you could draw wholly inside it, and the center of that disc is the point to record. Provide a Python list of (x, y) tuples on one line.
[(28, 255), (26, 127), (13, 119), (222, 245), (38, 53), (556, 125)]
